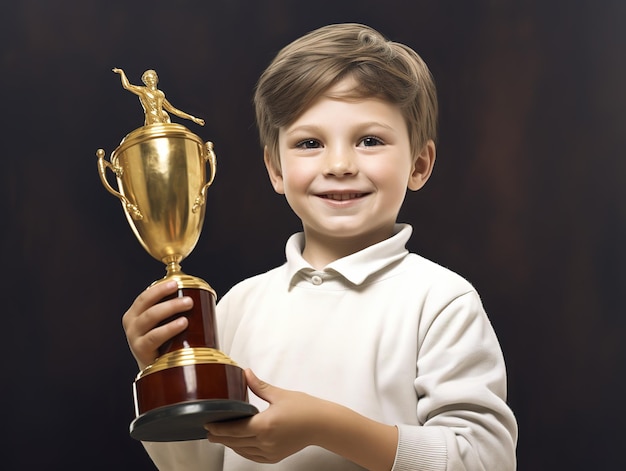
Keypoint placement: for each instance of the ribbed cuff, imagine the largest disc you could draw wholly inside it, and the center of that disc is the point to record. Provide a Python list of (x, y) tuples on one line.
[(420, 448)]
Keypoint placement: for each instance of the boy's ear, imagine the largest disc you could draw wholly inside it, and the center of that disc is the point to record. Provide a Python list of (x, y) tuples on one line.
[(276, 176), (422, 166)]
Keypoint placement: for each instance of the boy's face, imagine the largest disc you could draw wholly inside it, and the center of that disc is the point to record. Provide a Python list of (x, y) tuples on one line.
[(345, 167)]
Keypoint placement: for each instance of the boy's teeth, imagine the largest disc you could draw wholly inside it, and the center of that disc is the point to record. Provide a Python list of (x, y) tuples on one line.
[(343, 196)]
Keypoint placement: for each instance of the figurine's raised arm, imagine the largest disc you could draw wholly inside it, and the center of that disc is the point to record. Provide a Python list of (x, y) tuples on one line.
[(125, 83)]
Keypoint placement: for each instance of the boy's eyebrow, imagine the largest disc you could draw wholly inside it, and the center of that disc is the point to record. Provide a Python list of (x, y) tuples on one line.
[(313, 127)]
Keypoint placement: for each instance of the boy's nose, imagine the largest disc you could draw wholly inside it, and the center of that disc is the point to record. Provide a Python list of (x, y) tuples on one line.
[(339, 163)]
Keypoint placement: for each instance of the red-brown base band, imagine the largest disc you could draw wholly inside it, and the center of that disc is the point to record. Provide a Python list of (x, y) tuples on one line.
[(189, 383)]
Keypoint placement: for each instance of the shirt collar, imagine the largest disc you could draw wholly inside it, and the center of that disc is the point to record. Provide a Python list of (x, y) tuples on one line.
[(357, 266)]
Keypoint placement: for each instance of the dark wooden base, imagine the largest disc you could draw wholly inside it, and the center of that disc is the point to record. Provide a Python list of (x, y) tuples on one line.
[(186, 421)]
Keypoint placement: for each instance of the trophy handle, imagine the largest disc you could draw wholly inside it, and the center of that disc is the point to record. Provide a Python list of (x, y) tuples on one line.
[(212, 161), (102, 166)]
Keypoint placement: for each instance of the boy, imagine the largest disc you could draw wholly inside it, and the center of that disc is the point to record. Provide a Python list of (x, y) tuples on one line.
[(374, 357)]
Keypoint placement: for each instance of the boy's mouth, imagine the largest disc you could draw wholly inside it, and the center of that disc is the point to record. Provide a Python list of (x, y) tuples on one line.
[(342, 196)]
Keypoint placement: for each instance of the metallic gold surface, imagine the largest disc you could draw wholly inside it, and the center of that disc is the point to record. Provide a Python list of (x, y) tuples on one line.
[(185, 357), (162, 181)]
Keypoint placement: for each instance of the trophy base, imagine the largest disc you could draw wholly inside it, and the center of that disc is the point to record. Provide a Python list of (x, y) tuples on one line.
[(185, 421), (174, 403)]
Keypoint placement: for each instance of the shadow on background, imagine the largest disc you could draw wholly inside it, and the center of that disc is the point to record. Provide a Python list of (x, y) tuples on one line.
[(526, 201)]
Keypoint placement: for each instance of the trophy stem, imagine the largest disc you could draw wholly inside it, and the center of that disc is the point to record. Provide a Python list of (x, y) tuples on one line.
[(173, 265)]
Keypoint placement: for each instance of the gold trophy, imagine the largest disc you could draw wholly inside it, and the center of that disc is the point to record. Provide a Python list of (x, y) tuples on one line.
[(162, 181)]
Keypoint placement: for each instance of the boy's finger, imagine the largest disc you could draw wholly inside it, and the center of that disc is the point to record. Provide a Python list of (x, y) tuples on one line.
[(153, 294)]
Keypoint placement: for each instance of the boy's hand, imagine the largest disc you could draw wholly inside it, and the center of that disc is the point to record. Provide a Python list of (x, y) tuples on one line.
[(286, 427), (295, 420), (141, 320)]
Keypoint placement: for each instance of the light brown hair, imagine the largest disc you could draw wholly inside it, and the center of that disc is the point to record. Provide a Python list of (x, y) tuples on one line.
[(304, 69)]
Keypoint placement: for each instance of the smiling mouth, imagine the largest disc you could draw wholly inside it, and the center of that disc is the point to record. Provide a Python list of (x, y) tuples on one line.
[(342, 196)]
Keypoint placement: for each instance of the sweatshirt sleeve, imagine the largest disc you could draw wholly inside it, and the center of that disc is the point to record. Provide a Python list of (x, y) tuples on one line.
[(465, 423), (195, 455)]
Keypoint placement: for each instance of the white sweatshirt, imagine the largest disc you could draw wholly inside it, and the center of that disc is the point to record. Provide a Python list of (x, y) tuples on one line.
[(387, 333)]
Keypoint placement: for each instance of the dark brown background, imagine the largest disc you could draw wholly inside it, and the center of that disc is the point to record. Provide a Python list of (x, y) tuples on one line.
[(526, 201)]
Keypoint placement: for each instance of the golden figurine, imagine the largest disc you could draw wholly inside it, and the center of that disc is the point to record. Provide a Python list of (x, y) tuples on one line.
[(162, 182), (153, 100)]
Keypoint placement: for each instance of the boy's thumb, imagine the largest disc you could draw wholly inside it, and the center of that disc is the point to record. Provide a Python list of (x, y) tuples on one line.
[(262, 389)]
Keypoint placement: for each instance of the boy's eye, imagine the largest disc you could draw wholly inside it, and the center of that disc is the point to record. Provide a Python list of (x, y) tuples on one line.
[(308, 144), (370, 141)]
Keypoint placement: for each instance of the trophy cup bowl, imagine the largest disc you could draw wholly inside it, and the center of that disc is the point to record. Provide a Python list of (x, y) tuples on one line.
[(162, 181)]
